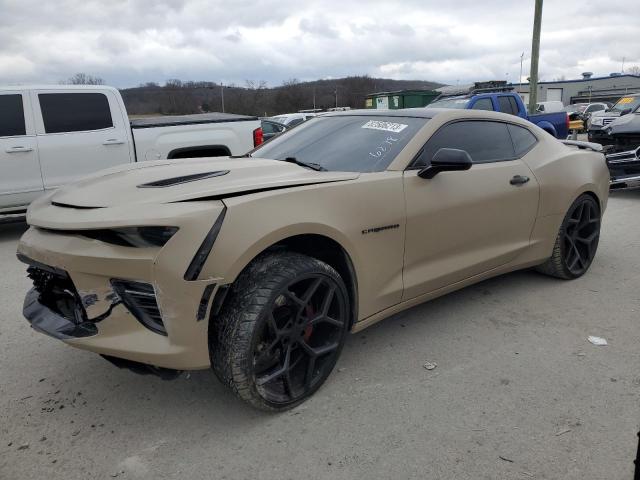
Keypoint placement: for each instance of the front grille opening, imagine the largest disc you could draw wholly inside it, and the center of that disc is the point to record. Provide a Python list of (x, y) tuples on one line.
[(140, 300), (57, 292)]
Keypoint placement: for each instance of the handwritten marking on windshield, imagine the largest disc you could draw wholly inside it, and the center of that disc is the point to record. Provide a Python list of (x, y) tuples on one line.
[(383, 148)]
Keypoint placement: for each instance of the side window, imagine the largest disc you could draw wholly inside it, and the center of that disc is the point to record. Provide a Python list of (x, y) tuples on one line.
[(268, 128), (295, 121), (483, 104), (514, 105), (74, 112), (506, 105), (523, 139), (484, 141), (11, 116)]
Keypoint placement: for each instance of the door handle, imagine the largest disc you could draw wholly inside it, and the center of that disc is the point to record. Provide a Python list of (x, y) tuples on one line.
[(113, 141), (18, 149), (519, 180)]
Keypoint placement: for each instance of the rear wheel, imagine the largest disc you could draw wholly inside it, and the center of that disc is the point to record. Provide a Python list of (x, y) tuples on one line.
[(282, 330), (577, 240)]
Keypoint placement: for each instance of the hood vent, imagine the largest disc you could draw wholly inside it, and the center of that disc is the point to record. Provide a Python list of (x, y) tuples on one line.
[(77, 207), (170, 182)]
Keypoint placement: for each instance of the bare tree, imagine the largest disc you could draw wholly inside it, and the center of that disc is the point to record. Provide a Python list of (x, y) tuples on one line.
[(634, 70), (83, 79)]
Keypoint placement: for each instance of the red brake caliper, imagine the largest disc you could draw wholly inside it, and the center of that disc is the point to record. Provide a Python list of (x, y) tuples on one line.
[(309, 330)]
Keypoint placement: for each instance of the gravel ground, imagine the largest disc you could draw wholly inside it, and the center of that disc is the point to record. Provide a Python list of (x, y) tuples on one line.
[(518, 391)]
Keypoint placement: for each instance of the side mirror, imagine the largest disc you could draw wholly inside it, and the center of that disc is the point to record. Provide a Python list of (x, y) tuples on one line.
[(447, 160), (626, 111)]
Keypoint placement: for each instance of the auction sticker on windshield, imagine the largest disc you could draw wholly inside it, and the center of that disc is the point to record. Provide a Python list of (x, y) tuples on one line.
[(386, 126)]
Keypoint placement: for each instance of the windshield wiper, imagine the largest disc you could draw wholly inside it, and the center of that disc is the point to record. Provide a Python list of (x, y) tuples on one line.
[(313, 166)]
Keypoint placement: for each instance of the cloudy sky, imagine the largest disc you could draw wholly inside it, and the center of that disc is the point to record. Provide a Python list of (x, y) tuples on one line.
[(130, 42)]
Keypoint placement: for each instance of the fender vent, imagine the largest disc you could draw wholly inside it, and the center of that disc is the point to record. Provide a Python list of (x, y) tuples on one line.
[(170, 182)]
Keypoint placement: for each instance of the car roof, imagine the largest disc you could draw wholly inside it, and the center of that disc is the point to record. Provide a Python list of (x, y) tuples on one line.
[(375, 112)]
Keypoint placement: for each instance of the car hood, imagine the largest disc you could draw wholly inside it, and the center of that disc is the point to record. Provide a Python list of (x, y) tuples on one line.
[(187, 179), (626, 124), (605, 113)]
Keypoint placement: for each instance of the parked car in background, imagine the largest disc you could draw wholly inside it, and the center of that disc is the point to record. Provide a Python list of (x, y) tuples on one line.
[(596, 126), (505, 101), (585, 110), (51, 135), (292, 119), (548, 107), (259, 267), (624, 168), (270, 128), (579, 113), (624, 132)]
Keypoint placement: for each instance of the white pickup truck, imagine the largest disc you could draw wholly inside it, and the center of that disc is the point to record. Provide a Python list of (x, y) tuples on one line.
[(51, 135)]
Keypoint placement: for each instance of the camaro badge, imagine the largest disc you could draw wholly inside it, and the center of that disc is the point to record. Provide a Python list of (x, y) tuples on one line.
[(380, 229)]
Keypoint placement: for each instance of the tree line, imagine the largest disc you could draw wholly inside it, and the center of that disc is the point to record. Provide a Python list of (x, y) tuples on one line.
[(178, 97)]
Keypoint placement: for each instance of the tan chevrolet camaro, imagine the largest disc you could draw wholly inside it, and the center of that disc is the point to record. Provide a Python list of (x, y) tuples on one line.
[(258, 266)]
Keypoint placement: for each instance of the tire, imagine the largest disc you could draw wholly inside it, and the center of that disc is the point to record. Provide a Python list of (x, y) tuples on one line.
[(281, 330), (577, 241)]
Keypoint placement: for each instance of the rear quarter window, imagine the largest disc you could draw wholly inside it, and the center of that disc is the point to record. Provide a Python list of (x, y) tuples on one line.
[(74, 112), (523, 139), (11, 116)]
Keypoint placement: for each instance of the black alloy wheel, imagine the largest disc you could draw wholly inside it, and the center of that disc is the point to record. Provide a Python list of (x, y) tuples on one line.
[(577, 240), (581, 236), (300, 339), (281, 331)]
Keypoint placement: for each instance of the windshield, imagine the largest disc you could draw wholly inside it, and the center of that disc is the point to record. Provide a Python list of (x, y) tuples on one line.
[(349, 143), (625, 103), (450, 103)]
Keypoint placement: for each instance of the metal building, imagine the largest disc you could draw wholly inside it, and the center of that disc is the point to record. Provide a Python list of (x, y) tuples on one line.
[(587, 89), (401, 99)]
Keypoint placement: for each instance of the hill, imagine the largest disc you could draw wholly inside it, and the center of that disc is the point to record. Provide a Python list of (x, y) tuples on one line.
[(178, 97)]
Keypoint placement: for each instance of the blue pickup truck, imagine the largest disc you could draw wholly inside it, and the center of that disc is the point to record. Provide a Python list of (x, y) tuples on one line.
[(557, 123)]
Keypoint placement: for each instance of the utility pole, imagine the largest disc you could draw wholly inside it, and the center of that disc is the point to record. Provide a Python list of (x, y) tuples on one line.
[(222, 96), (336, 96), (535, 54)]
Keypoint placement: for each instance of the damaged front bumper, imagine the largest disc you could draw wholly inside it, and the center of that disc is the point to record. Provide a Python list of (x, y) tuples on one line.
[(118, 301), (624, 168), (46, 321)]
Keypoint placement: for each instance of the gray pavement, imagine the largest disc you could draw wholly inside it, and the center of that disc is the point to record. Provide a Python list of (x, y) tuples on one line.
[(518, 391)]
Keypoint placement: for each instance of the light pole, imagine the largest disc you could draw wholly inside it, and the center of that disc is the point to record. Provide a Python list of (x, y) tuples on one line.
[(222, 95), (535, 54), (520, 77)]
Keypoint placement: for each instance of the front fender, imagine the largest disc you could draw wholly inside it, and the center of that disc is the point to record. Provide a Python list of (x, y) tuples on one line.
[(340, 211)]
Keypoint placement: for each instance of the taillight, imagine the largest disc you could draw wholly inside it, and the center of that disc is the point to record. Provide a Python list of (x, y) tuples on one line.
[(258, 137)]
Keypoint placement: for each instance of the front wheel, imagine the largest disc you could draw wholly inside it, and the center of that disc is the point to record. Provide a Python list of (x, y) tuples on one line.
[(281, 332), (577, 240)]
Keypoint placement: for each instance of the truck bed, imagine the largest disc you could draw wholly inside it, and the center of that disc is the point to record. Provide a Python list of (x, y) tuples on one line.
[(199, 118)]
